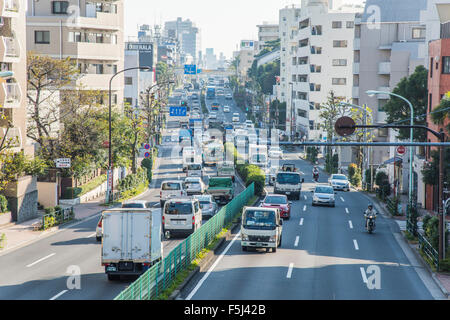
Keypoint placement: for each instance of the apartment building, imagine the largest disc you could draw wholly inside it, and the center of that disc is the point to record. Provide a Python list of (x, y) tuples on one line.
[(22, 195), (89, 32), (389, 44), (246, 56), (188, 35), (322, 63), (267, 32)]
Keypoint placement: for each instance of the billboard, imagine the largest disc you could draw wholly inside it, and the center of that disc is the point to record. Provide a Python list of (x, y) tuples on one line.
[(145, 52)]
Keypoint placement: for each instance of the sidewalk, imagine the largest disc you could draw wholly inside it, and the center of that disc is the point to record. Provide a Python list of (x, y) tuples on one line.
[(442, 279), (20, 234)]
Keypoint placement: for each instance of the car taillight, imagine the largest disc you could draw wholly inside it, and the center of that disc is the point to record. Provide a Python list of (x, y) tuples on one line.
[(105, 264), (193, 220), (100, 223), (163, 220)]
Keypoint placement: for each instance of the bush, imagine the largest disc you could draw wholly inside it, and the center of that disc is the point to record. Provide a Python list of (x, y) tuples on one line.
[(368, 178), (3, 204), (352, 169), (381, 178), (354, 173), (50, 210), (311, 154), (256, 175), (58, 208)]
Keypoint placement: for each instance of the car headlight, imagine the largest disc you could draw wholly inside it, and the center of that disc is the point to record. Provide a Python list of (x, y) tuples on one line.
[(272, 238), (316, 198), (244, 237)]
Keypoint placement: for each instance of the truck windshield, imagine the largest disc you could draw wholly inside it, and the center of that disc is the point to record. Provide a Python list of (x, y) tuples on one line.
[(254, 219), (194, 167), (171, 186), (178, 208), (288, 178)]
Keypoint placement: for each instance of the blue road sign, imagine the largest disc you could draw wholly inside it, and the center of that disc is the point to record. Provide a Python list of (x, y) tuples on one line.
[(147, 146), (190, 69), (199, 70), (178, 111), (147, 154)]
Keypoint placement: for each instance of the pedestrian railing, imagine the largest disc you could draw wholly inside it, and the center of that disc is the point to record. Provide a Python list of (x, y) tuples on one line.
[(426, 247), (392, 206), (161, 275), (58, 217)]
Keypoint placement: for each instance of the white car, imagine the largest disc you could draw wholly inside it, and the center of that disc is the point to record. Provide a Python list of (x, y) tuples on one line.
[(194, 170), (228, 96), (194, 185), (323, 195), (212, 115), (235, 117), (171, 189), (181, 216), (226, 108), (275, 152), (339, 182)]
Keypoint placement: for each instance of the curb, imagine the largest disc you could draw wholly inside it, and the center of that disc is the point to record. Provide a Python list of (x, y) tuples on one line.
[(206, 261), (413, 249)]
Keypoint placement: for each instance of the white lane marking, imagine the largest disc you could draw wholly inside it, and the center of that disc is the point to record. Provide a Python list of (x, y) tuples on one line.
[(306, 198), (350, 224), (58, 295), (301, 222), (356, 244), (91, 235), (297, 238), (346, 210), (363, 274), (342, 199), (42, 259), (289, 273), (199, 284), (304, 207)]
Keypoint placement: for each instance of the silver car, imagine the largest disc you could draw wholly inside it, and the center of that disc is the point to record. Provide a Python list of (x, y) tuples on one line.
[(323, 195), (339, 182), (207, 204)]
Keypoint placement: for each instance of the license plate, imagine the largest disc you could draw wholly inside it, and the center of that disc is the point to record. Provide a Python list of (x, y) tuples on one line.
[(177, 222), (109, 268), (288, 192)]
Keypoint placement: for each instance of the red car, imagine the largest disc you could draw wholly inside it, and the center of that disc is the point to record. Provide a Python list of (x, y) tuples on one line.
[(279, 201)]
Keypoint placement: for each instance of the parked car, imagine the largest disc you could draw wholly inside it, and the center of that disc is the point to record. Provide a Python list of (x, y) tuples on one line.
[(181, 216), (275, 152), (280, 202), (339, 182), (323, 194), (207, 204), (171, 189)]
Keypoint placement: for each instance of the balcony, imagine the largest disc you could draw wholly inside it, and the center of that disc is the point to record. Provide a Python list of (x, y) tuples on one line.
[(9, 49), (9, 8), (13, 138), (355, 67), (384, 68), (10, 95), (355, 92)]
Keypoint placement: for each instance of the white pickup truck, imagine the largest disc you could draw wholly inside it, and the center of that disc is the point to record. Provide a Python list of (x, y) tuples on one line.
[(131, 241)]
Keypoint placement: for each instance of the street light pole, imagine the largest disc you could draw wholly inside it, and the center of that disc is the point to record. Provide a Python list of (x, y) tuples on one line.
[(110, 167), (291, 120), (371, 93)]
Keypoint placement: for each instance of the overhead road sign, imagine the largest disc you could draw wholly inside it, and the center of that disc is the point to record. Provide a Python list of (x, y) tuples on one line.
[(178, 111), (190, 69)]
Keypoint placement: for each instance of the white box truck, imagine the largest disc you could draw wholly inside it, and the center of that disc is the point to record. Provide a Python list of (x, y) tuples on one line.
[(131, 241)]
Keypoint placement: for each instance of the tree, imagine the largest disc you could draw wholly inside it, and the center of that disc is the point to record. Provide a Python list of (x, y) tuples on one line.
[(414, 89), (442, 111), (430, 171), (330, 111), (358, 116), (46, 78)]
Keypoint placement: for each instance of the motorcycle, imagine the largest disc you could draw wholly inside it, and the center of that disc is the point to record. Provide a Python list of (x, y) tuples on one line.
[(316, 176), (370, 223)]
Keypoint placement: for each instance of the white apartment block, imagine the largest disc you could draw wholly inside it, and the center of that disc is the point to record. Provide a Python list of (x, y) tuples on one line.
[(89, 32), (267, 32), (246, 56)]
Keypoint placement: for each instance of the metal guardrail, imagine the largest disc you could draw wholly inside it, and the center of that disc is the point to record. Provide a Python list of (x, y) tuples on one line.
[(426, 247), (161, 275), (58, 217)]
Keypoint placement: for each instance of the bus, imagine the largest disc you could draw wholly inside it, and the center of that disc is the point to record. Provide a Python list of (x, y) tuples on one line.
[(210, 92)]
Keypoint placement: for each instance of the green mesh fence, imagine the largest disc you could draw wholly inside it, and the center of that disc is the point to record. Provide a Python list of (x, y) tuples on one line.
[(160, 276)]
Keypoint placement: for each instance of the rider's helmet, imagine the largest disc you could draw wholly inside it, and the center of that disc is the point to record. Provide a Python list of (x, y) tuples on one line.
[(370, 206)]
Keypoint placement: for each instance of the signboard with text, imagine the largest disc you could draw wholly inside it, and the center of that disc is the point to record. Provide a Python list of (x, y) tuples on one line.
[(190, 69), (63, 163), (178, 111), (145, 52)]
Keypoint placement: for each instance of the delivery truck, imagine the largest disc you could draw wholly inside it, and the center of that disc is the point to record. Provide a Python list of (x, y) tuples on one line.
[(131, 242)]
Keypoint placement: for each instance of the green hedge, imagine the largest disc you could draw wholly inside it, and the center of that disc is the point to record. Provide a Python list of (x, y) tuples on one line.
[(73, 193), (3, 204), (132, 181)]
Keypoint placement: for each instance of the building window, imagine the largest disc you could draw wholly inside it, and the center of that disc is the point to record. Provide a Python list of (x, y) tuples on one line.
[(60, 7), (339, 62), (350, 24), (302, 113), (294, 61), (302, 95), (99, 37), (339, 81), (294, 78), (42, 37), (98, 68), (316, 30), (446, 65), (128, 101), (418, 33), (311, 124), (430, 101), (74, 36), (113, 39), (340, 43), (336, 24), (301, 78), (431, 68), (381, 104)]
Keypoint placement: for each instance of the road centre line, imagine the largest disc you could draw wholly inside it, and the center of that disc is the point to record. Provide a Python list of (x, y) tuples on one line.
[(58, 295), (356, 244), (91, 235), (42, 259), (289, 273), (297, 238), (363, 274), (305, 197), (304, 207), (342, 199), (346, 210), (350, 224), (301, 222)]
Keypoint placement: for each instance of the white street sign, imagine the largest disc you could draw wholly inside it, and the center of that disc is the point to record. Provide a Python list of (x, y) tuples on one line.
[(63, 163)]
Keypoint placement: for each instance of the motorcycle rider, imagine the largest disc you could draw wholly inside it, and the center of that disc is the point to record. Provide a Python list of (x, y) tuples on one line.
[(369, 212), (315, 173)]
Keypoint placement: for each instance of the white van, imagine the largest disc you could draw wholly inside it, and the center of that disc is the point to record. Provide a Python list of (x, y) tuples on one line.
[(181, 216), (188, 156), (171, 189)]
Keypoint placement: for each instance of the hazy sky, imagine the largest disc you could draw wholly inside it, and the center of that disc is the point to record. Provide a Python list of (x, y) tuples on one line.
[(222, 23)]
